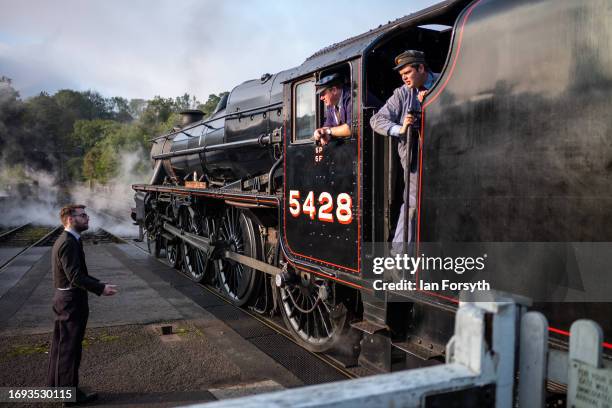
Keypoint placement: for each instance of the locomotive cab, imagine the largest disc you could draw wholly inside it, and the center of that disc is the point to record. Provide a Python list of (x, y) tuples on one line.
[(387, 183), (360, 174)]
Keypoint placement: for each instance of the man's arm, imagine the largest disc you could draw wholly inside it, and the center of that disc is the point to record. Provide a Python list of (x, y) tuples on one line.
[(388, 120), (69, 255), (340, 131)]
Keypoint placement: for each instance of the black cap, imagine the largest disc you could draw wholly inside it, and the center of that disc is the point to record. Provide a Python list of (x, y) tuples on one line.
[(409, 57), (328, 81)]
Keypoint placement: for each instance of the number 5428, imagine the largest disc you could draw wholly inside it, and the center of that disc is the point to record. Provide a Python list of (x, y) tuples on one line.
[(325, 201)]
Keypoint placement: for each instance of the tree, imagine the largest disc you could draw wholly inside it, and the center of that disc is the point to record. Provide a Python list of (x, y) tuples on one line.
[(11, 111), (87, 133), (211, 104), (120, 109)]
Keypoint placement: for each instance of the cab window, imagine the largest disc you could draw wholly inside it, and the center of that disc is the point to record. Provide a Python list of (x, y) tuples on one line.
[(305, 111)]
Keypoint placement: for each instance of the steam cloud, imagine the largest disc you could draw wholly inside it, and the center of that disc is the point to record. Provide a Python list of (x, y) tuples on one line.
[(38, 198)]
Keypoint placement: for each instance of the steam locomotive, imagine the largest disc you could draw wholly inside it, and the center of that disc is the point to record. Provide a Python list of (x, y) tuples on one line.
[(514, 147)]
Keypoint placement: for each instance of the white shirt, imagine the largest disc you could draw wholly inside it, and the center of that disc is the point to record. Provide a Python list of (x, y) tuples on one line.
[(73, 232)]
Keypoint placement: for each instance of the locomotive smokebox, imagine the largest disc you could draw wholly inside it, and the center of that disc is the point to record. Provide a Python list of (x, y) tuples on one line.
[(190, 116)]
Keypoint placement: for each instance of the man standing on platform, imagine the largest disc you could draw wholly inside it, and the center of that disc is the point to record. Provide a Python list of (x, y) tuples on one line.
[(70, 302)]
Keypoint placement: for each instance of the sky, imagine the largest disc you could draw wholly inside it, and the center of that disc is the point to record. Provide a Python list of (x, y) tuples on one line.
[(140, 49)]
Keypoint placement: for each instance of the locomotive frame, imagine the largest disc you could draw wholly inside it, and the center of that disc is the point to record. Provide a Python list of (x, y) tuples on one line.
[(278, 224)]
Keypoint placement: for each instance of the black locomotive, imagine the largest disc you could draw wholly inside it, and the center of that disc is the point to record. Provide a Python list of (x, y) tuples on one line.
[(514, 147)]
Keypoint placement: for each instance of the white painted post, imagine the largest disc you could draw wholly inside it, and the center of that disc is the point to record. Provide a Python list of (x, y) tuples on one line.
[(585, 342), (506, 309), (589, 383), (533, 360)]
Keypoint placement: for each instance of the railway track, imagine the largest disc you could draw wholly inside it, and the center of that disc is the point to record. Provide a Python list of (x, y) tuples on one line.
[(25, 237), (28, 235), (277, 327), (100, 236)]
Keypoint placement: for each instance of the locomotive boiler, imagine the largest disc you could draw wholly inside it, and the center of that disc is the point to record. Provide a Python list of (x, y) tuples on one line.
[(513, 149), (227, 146)]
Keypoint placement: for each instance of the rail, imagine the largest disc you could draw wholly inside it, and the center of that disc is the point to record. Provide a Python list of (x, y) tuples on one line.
[(12, 231), (38, 242)]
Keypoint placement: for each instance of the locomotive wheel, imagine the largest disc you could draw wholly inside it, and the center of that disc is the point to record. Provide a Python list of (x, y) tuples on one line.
[(171, 247), (238, 281), (310, 315), (195, 262)]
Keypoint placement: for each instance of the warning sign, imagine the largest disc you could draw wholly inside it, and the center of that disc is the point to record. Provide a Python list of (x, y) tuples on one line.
[(589, 387)]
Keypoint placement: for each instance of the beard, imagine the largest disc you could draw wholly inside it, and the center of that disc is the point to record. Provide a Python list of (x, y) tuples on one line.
[(81, 228)]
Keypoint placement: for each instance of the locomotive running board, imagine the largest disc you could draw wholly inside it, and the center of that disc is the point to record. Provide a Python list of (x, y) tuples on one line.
[(254, 199)]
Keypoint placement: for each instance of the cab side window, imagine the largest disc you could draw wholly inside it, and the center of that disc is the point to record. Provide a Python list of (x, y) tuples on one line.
[(305, 111)]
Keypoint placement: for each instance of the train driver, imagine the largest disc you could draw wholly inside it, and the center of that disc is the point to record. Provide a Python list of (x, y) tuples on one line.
[(338, 108), (397, 115)]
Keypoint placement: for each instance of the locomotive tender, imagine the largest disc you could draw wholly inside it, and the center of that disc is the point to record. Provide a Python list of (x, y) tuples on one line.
[(514, 147)]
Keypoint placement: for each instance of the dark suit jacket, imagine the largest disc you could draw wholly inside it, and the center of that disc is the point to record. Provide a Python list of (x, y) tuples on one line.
[(69, 268)]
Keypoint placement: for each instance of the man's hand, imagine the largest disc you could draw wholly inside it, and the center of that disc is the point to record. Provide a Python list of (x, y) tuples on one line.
[(320, 136), (409, 120), (110, 290), (421, 95)]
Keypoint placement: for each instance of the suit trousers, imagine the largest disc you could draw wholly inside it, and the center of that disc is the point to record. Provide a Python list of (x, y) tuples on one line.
[(71, 309)]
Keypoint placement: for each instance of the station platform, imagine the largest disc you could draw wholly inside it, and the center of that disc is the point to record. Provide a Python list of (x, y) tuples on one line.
[(215, 351)]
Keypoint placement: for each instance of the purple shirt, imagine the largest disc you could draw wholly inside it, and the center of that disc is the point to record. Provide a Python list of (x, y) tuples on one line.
[(345, 113)]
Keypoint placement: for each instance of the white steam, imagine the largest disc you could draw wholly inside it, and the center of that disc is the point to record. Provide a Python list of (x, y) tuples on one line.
[(30, 198), (38, 199)]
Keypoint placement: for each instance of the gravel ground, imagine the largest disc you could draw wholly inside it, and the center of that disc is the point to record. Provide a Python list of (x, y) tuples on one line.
[(130, 364)]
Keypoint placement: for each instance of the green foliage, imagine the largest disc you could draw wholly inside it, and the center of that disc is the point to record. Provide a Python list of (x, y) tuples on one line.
[(86, 133), (211, 104), (81, 136)]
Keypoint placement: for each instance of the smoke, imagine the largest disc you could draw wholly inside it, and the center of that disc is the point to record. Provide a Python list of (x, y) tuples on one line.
[(110, 205), (27, 196), (35, 196)]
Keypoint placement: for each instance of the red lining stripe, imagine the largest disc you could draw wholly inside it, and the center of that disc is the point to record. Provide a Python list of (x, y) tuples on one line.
[(329, 276), (286, 241), (452, 69), (359, 93), (213, 195), (422, 141), (566, 333)]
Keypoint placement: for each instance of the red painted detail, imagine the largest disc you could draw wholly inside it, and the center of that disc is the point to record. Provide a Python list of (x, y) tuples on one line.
[(329, 277), (566, 333), (452, 68), (429, 101), (359, 93), (288, 246), (221, 196)]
